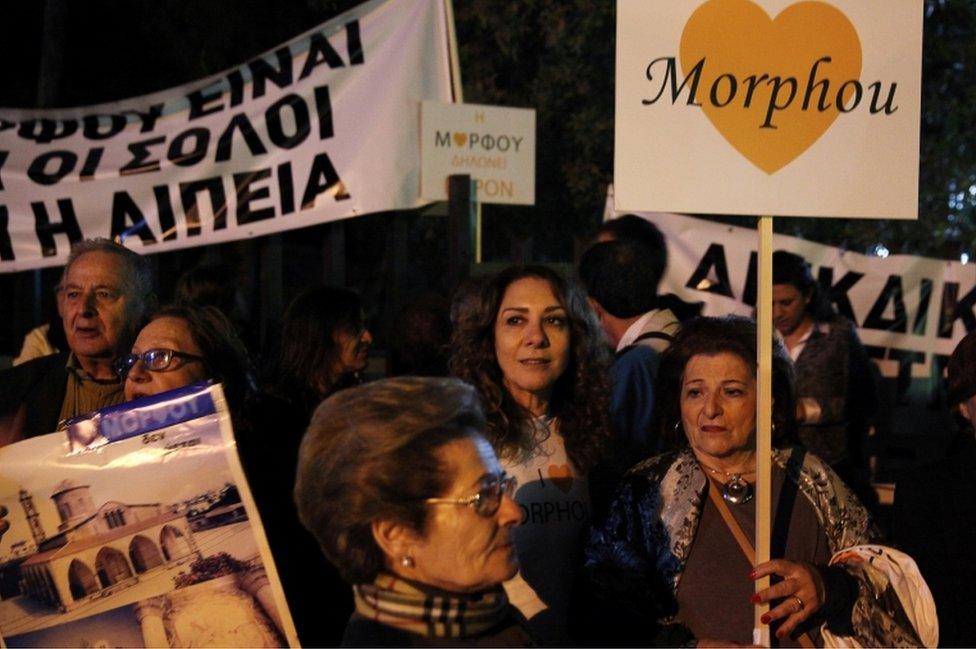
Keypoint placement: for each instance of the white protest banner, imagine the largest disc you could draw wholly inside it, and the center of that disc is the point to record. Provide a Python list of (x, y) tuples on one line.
[(771, 107), (905, 307), (137, 529), (322, 128), (495, 145)]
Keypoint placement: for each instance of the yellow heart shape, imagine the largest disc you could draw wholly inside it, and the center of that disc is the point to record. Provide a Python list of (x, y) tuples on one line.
[(738, 38), (460, 138)]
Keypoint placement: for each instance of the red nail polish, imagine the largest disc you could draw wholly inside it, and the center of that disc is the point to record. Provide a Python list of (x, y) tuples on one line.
[(755, 599), (779, 635), (752, 574), (764, 619)]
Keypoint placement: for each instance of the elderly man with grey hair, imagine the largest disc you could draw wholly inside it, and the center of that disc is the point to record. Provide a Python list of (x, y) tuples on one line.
[(104, 294)]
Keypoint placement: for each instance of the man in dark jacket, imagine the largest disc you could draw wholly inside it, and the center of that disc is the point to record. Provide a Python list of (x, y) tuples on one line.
[(103, 296), (621, 279)]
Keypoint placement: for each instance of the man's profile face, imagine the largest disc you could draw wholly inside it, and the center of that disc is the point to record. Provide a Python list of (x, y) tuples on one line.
[(96, 305)]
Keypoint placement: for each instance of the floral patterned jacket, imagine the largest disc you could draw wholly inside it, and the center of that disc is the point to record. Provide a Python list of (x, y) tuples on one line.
[(635, 560)]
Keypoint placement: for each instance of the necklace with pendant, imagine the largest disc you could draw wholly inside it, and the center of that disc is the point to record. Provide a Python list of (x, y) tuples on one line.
[(735, 491)]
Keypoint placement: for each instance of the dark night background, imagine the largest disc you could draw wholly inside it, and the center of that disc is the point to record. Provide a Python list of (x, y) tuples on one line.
[(553, 55)]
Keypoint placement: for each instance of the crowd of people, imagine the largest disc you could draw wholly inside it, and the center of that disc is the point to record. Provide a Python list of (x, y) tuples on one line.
[(582, 472)]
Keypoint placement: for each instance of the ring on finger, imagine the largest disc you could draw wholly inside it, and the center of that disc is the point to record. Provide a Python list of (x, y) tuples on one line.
[(799, 603)]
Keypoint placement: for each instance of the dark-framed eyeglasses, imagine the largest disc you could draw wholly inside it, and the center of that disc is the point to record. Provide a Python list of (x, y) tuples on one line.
[(488, 499), (155, 360)]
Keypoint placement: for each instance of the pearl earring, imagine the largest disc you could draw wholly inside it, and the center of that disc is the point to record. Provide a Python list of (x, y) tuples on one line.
[(406, 561)]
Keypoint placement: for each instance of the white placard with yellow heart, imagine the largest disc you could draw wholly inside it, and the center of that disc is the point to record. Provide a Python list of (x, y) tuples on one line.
[(772, 107)]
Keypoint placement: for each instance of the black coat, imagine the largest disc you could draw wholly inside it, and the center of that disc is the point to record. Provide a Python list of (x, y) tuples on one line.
[(269, 431), (934, 521), (39, 386)]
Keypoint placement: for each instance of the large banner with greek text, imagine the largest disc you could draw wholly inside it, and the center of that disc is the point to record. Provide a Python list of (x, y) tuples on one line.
[(324, 127), (136, 528), (906, 308), (772, 107)]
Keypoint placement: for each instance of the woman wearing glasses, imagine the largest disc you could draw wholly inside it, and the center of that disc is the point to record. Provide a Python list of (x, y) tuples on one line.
[(407, 499), (534, 351), (182, 345)]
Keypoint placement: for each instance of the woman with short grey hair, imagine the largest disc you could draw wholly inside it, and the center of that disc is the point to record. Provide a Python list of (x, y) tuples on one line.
[(406, 497)]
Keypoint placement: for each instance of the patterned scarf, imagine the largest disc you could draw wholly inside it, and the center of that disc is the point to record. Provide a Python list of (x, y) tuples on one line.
[(403, 605)]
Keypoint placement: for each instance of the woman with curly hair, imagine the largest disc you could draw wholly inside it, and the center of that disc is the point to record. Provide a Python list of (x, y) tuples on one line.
[(531, 346)]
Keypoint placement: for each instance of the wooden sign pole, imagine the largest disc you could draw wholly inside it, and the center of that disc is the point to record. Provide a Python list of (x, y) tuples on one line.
[(764, 409)]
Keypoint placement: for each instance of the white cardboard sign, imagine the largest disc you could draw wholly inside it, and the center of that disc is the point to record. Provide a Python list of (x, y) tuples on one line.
[(772, 107), (492, 144)]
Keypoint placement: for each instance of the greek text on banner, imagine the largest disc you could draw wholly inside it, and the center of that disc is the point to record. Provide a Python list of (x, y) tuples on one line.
[(322, 128)]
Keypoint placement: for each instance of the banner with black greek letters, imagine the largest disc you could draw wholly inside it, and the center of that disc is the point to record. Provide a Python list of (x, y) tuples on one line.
[(321, 128), (906, 308), (779, 107)]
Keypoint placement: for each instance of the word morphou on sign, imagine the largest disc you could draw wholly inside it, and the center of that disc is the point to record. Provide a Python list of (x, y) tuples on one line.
[(283, 141), (806, 108), (494, 145)]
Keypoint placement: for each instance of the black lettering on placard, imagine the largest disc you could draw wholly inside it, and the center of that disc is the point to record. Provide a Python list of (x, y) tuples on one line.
[(276, 127), (732, 84), (321, 179), (164, 209), (778, 83), (663, 74), (45, 130), (124, 210), (714, 258), (837, 293), (924, 298), (320, 51), (671, 72), (953, 309), (64, 163), (323, 105), (3, 159), (851, 104), (199, 100), (201, 140), (141, 162), (887, 108), (752, 272), (241, 123), (6, 248), (246, 194), (286, 188), (148, 118), (90, 166), (753, 81), (46, 229), (93, 126), (354, 43), (5, 124), (823, 85), (263, 71), (892, 293), (214, 187)]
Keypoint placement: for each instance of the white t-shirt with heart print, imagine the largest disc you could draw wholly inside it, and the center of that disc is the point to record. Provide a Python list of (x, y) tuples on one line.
[(555, 505)]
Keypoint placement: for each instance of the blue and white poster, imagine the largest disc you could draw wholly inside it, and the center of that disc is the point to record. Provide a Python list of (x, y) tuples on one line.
[(137, 529)]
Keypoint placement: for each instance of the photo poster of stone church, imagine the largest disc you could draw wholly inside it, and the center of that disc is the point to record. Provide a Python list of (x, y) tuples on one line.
[(142, 534)]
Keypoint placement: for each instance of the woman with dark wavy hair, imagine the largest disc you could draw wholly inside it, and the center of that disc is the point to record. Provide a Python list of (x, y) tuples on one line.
[(533, 349)]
